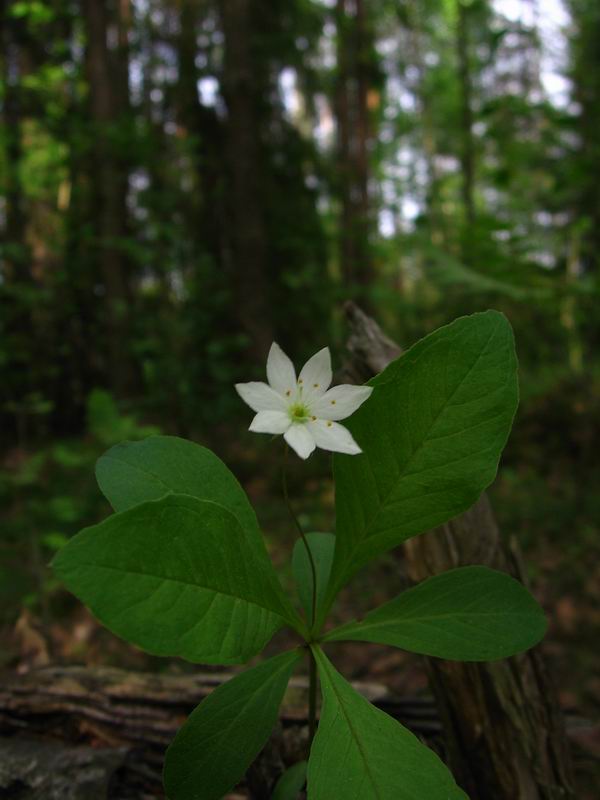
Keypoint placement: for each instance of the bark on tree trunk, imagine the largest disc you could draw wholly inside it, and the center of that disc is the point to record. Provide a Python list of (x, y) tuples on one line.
[(18, 319), (586, 90), (467, 155), (109, 98), (16, 258), (504, 731), (206, 211), (243, 94), (414, 17), (354, 136)]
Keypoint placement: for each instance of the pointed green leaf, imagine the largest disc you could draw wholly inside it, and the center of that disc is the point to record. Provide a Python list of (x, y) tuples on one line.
[(225, 733), (321, 546), (290, 784), (135, 472), (432, 433), (176, 577), (361, 753), (465, 614), (131, 473)]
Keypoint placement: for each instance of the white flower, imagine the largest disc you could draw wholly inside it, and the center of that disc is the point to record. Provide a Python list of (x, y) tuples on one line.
[(302, 409)]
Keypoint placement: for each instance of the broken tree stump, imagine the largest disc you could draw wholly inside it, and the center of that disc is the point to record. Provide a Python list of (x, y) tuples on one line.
[(503, 728)]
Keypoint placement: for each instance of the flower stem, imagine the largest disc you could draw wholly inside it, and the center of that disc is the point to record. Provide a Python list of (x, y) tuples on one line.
[(311, 560), (312, 668), (312, 699)]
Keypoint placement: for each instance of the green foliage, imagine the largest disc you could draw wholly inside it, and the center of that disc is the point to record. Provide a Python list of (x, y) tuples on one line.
[(360, 752), (181, 569), (135, 472), (289, 786), (170, 259), (56, 483), (176, 576), (38, 12), (225, 733), (107, 424), (322, 546), (465, 614), (432, 433)]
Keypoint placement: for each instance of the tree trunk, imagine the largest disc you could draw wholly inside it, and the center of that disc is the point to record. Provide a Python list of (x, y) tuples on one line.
[(585, 72), (108, 174), (17, 318), (426, 127), (205, 211), (586, 90), (467, 151), (504, 730), (244, 93), (16, 257), (354, 138)]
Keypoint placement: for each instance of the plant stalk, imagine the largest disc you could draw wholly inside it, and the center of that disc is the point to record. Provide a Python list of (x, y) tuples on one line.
[(311, 560), (312, 699), (312, 668)]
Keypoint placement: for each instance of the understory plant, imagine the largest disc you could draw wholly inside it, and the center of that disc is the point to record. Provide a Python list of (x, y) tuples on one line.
[(181, 568)]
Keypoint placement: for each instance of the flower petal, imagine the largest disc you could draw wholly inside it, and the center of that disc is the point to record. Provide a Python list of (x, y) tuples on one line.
[(300, 439), (332, 436), (260, 397), (280, 371), (316, 375), (340, 401), (270, 422)]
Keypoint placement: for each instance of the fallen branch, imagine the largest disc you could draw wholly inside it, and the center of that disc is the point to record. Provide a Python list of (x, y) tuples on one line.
[(127, 719)]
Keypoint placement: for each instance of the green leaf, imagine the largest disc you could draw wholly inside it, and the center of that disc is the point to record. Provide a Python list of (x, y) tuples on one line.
[(176, 577), (321, 546), (290, 784), (432, 433), (225, 733), (134, 472), (466, 614), (54, 540), (360, 753)]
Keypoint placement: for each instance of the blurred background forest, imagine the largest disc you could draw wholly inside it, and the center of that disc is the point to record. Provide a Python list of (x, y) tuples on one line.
[(184, 181)]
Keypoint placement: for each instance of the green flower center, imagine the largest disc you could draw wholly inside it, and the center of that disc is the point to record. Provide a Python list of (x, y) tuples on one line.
[(299, 413)]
